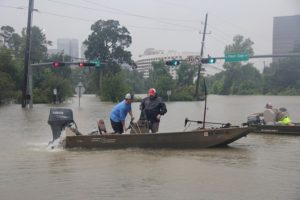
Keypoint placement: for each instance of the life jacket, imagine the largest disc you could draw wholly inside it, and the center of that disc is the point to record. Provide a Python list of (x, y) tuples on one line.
[(285, 120)]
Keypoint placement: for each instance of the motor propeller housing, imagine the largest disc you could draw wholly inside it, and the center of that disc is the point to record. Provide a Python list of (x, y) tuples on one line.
[(58, 119)]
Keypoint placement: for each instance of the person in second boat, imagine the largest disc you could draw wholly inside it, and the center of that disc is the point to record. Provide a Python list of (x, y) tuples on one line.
[(270, 114), (153, 108), (283, 117)]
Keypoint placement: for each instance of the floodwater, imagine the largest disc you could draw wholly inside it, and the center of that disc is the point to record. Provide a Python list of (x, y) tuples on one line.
[(254, 167)]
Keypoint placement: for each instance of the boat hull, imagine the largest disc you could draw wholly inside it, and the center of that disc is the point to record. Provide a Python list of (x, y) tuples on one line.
[(201, 138), (277, 129)]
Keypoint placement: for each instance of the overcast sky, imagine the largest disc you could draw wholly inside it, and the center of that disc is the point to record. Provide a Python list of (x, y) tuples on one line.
[(160, 24)]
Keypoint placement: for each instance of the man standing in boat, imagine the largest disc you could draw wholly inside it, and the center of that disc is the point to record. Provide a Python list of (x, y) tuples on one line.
[(153, 108), (119, 113)]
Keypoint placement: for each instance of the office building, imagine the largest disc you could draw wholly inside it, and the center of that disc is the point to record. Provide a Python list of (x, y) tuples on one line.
[(68, 47), (286, 34), (144, 62)]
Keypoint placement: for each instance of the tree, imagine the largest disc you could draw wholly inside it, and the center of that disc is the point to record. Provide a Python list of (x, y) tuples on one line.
[(160, 79), (108, 42), (13, 41), (38, 51), (186, 74), (237, 78), (114, 87), (6, 33), (8, 75), (135, 81), (283, 77)]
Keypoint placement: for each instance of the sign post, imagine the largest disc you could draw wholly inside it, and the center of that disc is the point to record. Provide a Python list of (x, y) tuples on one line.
[(55, 94), (169, 92), (79, 91)]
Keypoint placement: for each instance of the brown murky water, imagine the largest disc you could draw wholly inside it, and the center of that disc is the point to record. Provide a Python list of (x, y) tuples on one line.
[(255, 167)]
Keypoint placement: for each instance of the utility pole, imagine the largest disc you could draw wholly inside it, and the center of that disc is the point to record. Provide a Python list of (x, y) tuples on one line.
[(201, 55), (26, 96)]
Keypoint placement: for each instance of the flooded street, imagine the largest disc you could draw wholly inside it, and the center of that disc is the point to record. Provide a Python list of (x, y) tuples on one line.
[(254, 167)]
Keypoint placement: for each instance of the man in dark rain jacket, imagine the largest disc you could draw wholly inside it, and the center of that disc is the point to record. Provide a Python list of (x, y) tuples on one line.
[(153, 108)]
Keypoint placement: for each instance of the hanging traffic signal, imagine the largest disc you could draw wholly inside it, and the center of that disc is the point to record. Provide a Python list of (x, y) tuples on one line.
[(208, 60), (86, 64), (173, 62), (97, 63), (58, 64)]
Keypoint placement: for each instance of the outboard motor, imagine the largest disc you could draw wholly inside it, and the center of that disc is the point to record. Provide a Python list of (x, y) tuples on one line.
[(253, 119), (59, 118)]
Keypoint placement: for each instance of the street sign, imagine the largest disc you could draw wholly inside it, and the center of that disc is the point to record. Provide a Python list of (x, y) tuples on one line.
[(236, 57), (193, 60), (79, 89)]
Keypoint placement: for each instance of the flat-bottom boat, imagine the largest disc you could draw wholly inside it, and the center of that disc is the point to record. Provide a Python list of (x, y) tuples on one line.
[(258, 126), (61, 118), (276, 129)]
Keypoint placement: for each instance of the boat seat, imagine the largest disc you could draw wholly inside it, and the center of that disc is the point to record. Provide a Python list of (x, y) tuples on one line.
[(101, 126)]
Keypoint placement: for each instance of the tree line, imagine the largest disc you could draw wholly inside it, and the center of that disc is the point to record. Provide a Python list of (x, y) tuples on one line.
[(117, 76)]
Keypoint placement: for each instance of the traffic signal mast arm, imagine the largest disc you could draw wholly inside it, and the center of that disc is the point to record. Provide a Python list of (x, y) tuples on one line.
[(173, 62), (208, 60), (86, 64)]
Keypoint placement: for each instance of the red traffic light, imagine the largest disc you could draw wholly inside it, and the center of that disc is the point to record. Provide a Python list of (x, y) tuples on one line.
[(86, 64), (58, 64)]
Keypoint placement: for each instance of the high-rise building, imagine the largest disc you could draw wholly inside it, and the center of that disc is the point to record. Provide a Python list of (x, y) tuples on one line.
[(286, 34), (68, 46), (82, 50)]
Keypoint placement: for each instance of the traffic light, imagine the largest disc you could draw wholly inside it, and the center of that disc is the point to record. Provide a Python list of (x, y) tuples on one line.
[(208, 60), (86, 64), (58, 64), (173, 62), (97, 63)]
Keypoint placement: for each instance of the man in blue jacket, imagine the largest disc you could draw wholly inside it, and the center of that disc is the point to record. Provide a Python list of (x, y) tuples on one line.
[(153, 107), (119, 113)]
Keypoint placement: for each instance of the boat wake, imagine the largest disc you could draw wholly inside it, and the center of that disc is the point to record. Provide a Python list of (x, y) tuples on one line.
[(58, 143)]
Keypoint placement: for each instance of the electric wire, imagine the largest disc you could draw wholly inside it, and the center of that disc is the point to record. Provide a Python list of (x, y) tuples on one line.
[(120, 12)]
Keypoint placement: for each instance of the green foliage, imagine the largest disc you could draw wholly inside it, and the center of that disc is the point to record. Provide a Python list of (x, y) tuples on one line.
[(135, 81), (237, 78), (184, 93), (44, 93), (283, 77), (186, 74), (45, 78), (244, 79), (38, 51), (107, 42), (160, 79), (8, 75), (7, 33), (114, 87), (240, 46), (6, 87)]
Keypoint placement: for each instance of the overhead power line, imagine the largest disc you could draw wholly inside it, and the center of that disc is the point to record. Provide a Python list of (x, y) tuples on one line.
[(121, 12), (91, 20)]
